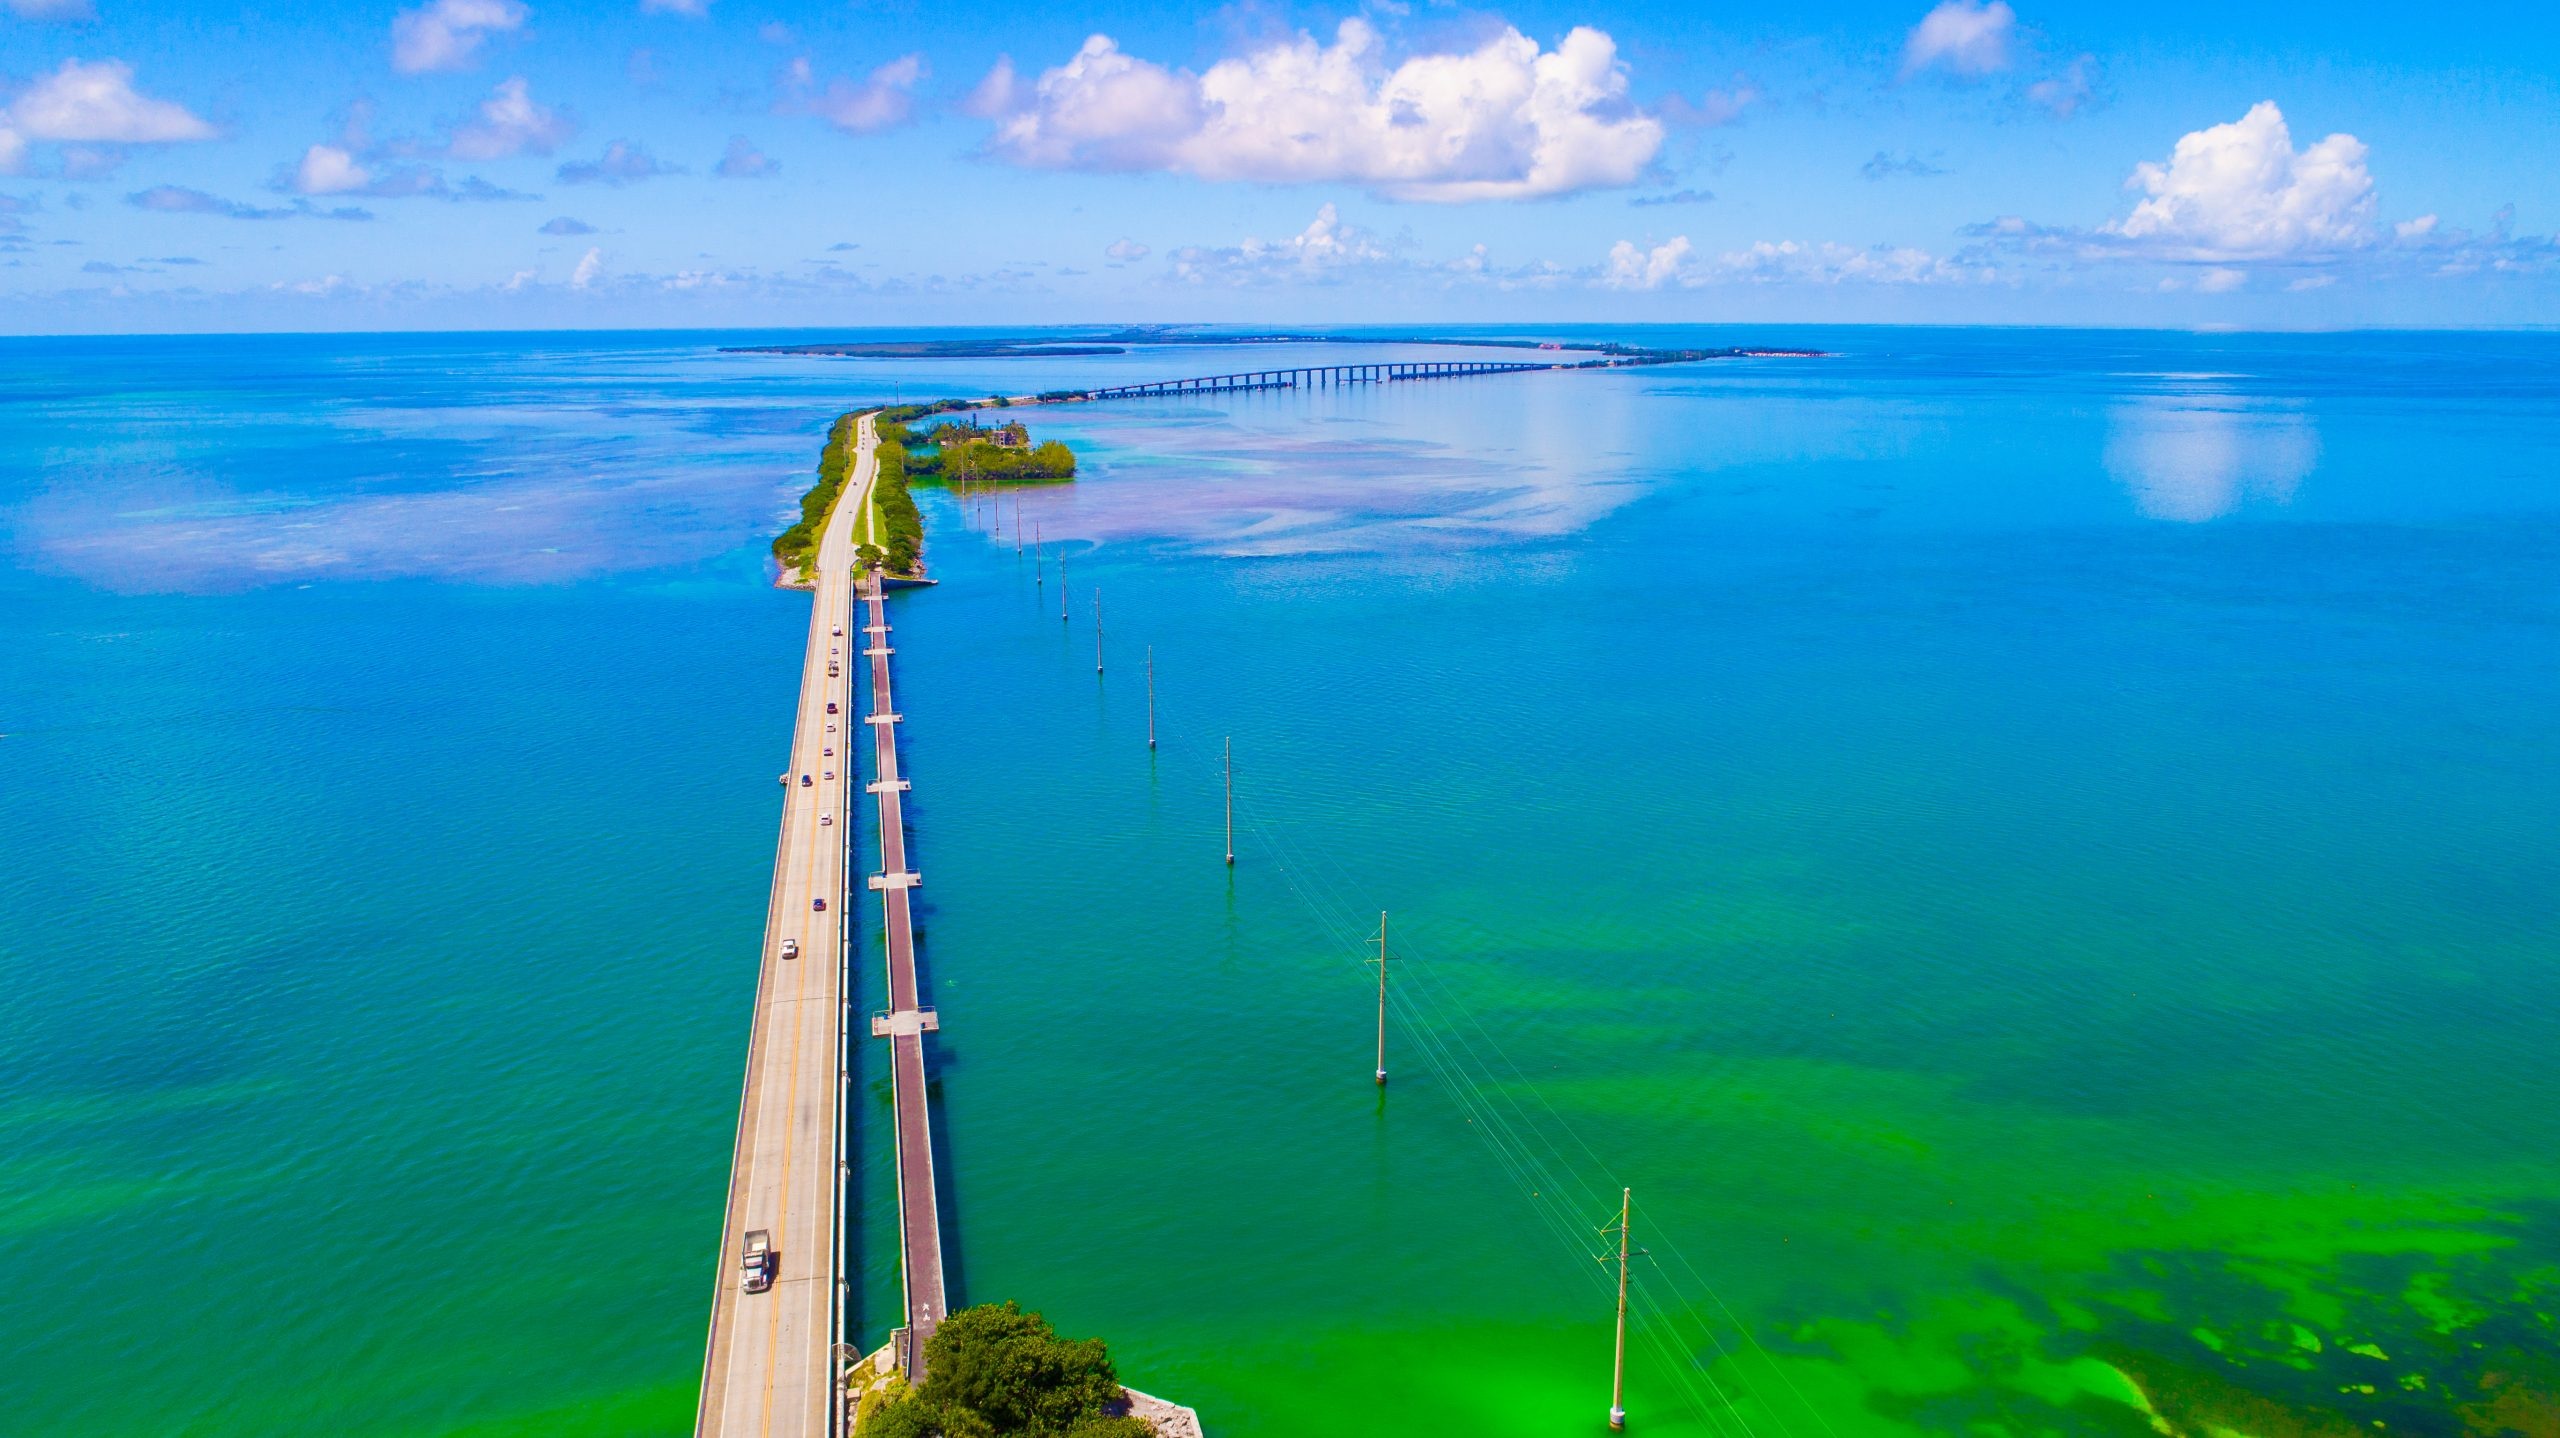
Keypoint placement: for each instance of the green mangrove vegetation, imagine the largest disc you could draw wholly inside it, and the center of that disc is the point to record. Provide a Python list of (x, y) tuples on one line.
[(998, 454), (947, 453), (798, 545), (901, 530), (994, 1371), (950, 452)]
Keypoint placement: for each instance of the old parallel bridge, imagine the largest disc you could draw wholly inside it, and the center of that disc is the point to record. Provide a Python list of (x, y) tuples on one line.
[(1315, 376), (906, 1022)]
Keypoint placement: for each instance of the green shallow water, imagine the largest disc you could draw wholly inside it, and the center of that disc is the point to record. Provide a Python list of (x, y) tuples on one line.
[(2028, 853)]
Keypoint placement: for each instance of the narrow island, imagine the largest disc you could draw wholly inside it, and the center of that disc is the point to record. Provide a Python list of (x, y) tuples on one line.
[(796, 546), (995, 1370), (957, 451)]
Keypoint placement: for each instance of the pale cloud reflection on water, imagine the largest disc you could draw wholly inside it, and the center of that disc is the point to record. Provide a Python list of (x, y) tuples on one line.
[(552, 464), (1433, 467), (2198, 457), (493, 495)]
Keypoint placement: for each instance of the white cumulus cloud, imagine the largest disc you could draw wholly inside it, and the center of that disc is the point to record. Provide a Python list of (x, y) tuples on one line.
[(1632, 267), (51, 9), (510, 122), (589, 266), (329, 170), (2241, 191), (997, 94), (1506, 120), (1327, 248), (1965, 37), (97, 104), (446, 35)]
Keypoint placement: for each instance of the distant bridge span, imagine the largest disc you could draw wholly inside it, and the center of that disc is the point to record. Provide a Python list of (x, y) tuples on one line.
[(1314, 376)]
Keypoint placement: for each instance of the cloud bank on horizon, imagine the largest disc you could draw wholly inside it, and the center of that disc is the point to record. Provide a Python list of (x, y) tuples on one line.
[(2041, 165)]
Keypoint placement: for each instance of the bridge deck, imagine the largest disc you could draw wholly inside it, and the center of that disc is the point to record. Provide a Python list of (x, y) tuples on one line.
[(919, 1223), (1312, 376), (768, 1370)]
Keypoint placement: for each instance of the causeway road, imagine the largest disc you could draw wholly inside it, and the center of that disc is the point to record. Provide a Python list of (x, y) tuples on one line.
[(768, 1367)]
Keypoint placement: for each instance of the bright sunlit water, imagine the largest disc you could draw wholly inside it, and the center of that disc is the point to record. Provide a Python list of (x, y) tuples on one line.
[(2029, 852)]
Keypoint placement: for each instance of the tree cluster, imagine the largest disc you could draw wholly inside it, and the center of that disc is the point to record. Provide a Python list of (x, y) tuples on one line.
[(798, 545), (947, 452), (971, 454), (995, 1371), (901, 527), (1013, 434)]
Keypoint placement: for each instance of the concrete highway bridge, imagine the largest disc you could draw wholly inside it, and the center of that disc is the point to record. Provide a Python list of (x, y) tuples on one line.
[(769, 1368), (1315, 376), (774, 1364), (777, 1358)]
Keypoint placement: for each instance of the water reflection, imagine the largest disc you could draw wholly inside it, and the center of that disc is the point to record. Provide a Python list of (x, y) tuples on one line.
[(2192, 458)]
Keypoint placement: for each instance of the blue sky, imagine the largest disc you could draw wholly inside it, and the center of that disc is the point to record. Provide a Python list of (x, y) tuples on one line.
[(600, 163)]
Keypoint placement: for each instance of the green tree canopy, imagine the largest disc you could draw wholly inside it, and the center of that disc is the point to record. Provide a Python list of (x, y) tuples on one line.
[(995, 1371)]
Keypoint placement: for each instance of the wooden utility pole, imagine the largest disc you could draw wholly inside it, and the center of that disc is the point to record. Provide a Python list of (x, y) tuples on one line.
[(1097, 631), (1151, 696), (1618, 1376), (1231, 801), (1382, 998), (1062, 586), (1039, 579)]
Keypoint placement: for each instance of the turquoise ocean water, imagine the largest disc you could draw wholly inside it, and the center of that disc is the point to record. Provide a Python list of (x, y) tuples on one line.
[(2029, 852)]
